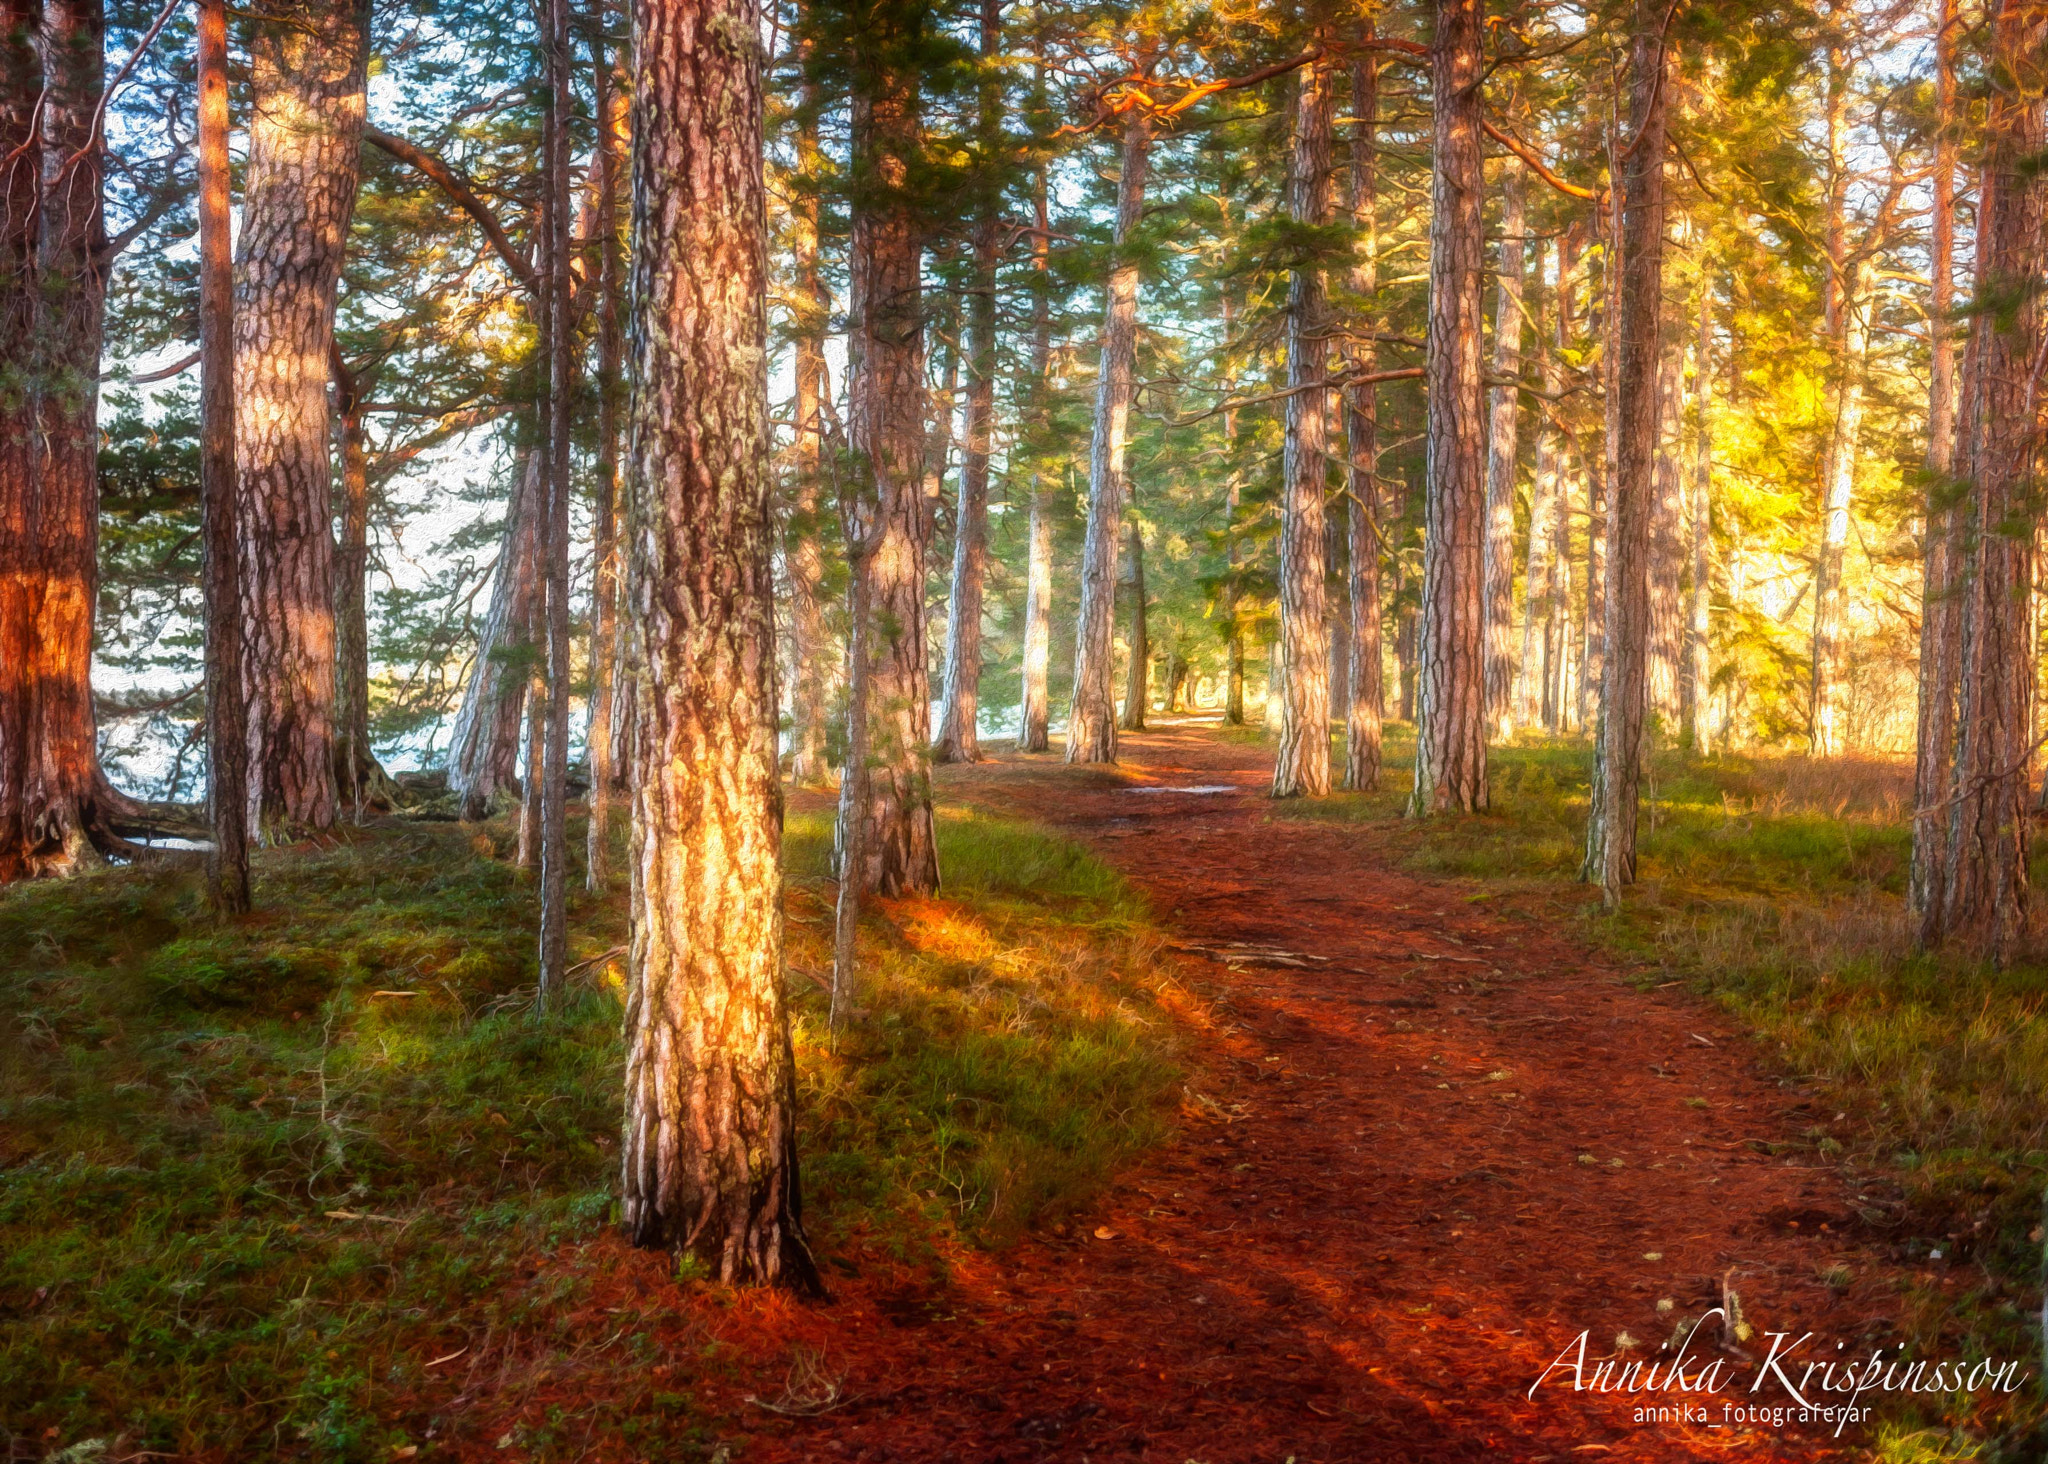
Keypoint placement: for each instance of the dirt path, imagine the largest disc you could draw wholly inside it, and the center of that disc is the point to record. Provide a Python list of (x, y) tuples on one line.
[(1452, 1144)]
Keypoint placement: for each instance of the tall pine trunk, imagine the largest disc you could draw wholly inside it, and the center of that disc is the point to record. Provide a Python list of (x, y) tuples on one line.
[(1450, 734), (611, 103), (960, 698), (1091, 717), (1362, 445), (227, 751), (1985, 895), (886, 407), (1502, 446), (1618, 744), (1694, 677), (709, 1158), (56, 805), (1530, 667), (1036, 712), (1940, 620), (1301, 766), (307, 68), (1667, 539), (811, 648), (1838, 478)]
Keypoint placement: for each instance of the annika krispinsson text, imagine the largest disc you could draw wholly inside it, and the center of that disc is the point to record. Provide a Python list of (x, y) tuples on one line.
[(1819, 1385)]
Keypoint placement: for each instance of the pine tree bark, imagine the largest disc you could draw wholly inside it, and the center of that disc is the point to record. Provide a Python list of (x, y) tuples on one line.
[(960, 698), (1138, 664), (1502, 449), (1036, 712), (307, 72), (610, 109), (56, 805), (709, 1153), (1091, 717), (1839, 479), (227, 751), (1985, 899), (886, 410), (1301, 765), (1362, 447), (1694, 679), (1450, 734), (1618, 744), (1940, 618)]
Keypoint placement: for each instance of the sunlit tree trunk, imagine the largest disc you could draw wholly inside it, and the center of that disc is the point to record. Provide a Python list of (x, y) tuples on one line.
[(960, 696), (483, 748), (1362, 445), (1618, 745), (1138, 665), (1667, 541), (1091, 718), (1036, 712), (307, 68), (1450, 734), (886, 410), (1940, 618), (1502, 446), (56, 806), (1838, 475), (611, 104), (227, 751), (1985, 898), (709, 1161), (1693, 682), (1301, 765), (1531, 667), (1601, 469)]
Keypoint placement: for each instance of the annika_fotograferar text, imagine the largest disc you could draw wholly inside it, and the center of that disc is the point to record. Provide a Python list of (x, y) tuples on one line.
[(1797, 1381)]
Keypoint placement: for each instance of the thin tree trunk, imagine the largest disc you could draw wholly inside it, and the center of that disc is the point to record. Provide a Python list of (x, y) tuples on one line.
[(1091, 718), (1940, 620), (1692, 721), (960, 698), (1301, 766), (1035, 734), (1667, 541), (1618, 745), (553, 951), (611, 103), (1839, 477), (1450, 734), (483, 749), (307, 69), (887, 405), (1985, 900), (1602, 472), (1138, 665), (1502, 447), (861, 542), (1531, 668), (23, 850), (353, 763), (227, 749), (1362, 444), (811, 649), (709, 1162)]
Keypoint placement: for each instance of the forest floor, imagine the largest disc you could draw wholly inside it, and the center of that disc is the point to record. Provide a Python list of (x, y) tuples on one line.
[(1184, 1126)]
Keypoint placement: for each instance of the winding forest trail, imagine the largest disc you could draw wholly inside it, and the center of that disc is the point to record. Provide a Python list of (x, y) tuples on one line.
[(1438, 1153)]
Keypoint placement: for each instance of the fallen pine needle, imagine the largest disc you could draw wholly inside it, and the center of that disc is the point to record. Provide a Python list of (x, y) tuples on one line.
[(449, 1358), (359, 1215)]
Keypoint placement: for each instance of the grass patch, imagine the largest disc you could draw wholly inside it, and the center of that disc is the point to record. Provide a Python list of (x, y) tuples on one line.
[(257, 1177)]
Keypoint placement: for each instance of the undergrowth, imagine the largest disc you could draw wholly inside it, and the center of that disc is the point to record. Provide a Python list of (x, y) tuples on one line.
[(256, 1179)]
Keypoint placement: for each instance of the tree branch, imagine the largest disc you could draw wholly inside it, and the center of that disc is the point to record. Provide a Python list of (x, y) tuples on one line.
[(433, 167)]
